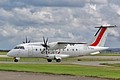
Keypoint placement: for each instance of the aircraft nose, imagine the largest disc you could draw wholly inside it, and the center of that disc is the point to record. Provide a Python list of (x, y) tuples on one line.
[(9, 53)]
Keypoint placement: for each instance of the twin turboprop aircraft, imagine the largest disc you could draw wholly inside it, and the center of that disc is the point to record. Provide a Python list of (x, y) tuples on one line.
[(59, 50)]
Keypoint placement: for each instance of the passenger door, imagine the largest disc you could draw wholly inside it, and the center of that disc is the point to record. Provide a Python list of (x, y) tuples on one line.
[(30, 51)]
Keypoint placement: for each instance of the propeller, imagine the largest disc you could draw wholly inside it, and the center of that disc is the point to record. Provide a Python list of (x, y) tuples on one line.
[(45, 45), (26, 40)]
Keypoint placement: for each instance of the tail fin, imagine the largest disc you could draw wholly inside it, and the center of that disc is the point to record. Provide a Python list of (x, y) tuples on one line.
[(101, 35)]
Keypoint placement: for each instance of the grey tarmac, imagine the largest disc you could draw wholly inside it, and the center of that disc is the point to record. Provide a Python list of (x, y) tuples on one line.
[(6, 75)]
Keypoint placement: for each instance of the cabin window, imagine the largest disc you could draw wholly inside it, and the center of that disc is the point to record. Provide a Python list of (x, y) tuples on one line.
[(19, 47), (72, 49), (76, 49), (67, 49), (40, 49), (36, 49)]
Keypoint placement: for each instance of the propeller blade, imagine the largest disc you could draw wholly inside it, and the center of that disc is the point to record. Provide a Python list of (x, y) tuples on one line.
[(26, 39), (45, 45), (29, 41), (43, 42), (46, 41)]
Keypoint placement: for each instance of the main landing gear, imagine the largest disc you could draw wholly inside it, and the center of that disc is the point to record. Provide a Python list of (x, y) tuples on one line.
[(57, 60), (49, 60)]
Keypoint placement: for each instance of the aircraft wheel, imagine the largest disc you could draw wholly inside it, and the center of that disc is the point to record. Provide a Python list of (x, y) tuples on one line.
[(15, 60), (49, 60), (58, 60)]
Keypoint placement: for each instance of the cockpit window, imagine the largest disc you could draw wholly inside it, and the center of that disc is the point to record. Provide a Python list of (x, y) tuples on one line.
[(19, 47)]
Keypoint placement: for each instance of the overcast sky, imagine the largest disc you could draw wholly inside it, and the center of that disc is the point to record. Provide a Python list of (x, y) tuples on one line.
[(59, 20)]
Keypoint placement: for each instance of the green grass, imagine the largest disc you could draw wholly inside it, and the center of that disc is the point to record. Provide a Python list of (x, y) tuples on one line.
[(96, 59), (115, 64), (113, 71), (65, 69), (10, 59), (3, 53), (6, 59), (63, 60)]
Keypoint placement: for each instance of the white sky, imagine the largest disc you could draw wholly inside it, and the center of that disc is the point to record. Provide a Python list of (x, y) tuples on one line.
[(63, 20)]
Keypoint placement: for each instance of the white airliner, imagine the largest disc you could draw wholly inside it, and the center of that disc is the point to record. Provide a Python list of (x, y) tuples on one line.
[(59, 50)]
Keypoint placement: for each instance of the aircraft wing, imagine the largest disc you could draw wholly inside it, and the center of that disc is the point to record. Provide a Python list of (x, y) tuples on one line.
[(70, 43), (61, 45)]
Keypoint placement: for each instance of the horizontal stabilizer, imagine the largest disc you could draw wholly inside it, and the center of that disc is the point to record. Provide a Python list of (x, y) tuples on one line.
[(106, 26), (100, 35), (71, 43)]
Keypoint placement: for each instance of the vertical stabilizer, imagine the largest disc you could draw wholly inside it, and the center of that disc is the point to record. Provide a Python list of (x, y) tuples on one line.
[(101, 35)]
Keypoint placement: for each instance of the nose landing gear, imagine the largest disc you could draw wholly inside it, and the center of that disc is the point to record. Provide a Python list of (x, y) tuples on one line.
[(16, 59)]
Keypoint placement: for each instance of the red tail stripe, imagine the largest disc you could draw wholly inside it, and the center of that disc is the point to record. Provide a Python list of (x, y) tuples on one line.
[(99, 37)]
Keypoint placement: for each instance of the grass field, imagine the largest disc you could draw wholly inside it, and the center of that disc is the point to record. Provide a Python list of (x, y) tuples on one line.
[(111, 71), (115, 64), (3, 53), (65, 69), (10, 59)]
